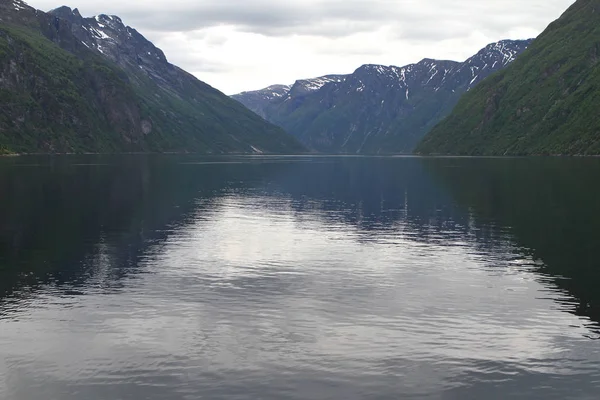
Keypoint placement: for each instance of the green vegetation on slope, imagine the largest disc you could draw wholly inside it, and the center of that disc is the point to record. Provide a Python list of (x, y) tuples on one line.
[(58, 95), (546, 102), (49, 100)]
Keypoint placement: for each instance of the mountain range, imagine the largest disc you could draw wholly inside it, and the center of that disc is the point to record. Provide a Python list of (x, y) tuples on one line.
[(74, 84), (377, 109), (545, 103)]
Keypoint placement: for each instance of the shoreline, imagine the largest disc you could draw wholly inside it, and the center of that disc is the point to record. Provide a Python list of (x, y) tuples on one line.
[(11, 155)]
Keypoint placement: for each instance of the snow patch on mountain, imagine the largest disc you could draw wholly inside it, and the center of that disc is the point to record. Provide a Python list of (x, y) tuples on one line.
[(379, 102), (315, 84), (20, 5)]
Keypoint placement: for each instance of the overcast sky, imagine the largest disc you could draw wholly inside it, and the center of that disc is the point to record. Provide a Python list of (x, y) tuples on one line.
[(237, 45)]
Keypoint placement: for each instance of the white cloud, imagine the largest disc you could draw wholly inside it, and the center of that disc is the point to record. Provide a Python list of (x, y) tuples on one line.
[(238, 45)]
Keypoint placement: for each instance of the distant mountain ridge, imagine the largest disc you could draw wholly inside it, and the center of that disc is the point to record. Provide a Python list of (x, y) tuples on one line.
[(546, 103), (377, 109), (74, 84)]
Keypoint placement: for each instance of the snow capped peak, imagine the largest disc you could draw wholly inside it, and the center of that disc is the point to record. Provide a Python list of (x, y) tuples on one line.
[(314, 84), (20, 5), (113, 22), (361, 111), (277, 90), (504, 51), (107, 35), (390, 84), (269, 93), (378, 69), (103, 27), (103, 18), (492, 57), (279, 87), (386, 72)]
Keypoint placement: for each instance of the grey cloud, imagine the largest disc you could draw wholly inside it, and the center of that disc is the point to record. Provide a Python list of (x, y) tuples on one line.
[(426, 19), (457, 19), (336, 18), (327, 18), (326, 26)]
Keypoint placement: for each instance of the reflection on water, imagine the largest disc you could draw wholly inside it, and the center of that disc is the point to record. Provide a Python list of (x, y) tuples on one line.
[(298, 278)]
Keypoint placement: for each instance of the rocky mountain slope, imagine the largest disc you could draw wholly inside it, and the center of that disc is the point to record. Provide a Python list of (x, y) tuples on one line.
[(74, 84), (545, 103), (377, 109)]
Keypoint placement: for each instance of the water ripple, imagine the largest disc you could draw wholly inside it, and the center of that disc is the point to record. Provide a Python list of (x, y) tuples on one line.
[(257, 294)]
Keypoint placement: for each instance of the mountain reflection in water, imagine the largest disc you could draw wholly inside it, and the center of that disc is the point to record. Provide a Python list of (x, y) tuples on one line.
[(168, 277)]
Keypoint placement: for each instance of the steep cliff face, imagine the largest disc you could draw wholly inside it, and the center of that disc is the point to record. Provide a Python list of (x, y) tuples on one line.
[(74, 84), (377, 109)]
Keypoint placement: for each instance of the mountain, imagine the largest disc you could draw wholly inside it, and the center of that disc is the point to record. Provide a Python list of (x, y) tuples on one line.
[(544, 103), (74, 84), (377, 109)]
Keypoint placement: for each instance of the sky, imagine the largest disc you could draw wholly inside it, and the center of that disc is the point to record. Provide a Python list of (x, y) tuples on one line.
[(237, 45)]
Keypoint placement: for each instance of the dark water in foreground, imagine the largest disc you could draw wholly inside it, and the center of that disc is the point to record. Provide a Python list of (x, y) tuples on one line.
[(299, 278)]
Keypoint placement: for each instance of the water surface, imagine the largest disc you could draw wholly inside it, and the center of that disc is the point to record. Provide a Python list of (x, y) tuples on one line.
[(182, 277)]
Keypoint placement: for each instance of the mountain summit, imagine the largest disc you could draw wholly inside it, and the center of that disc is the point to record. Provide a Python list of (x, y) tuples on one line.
[(75, 84), (377, 109)]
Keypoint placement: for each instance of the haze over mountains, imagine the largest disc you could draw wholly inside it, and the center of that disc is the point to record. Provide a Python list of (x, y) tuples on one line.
[(377, 109), (74, 84)]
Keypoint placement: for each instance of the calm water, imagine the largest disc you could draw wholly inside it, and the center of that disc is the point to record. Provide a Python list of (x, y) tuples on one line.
[(299, 278)]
